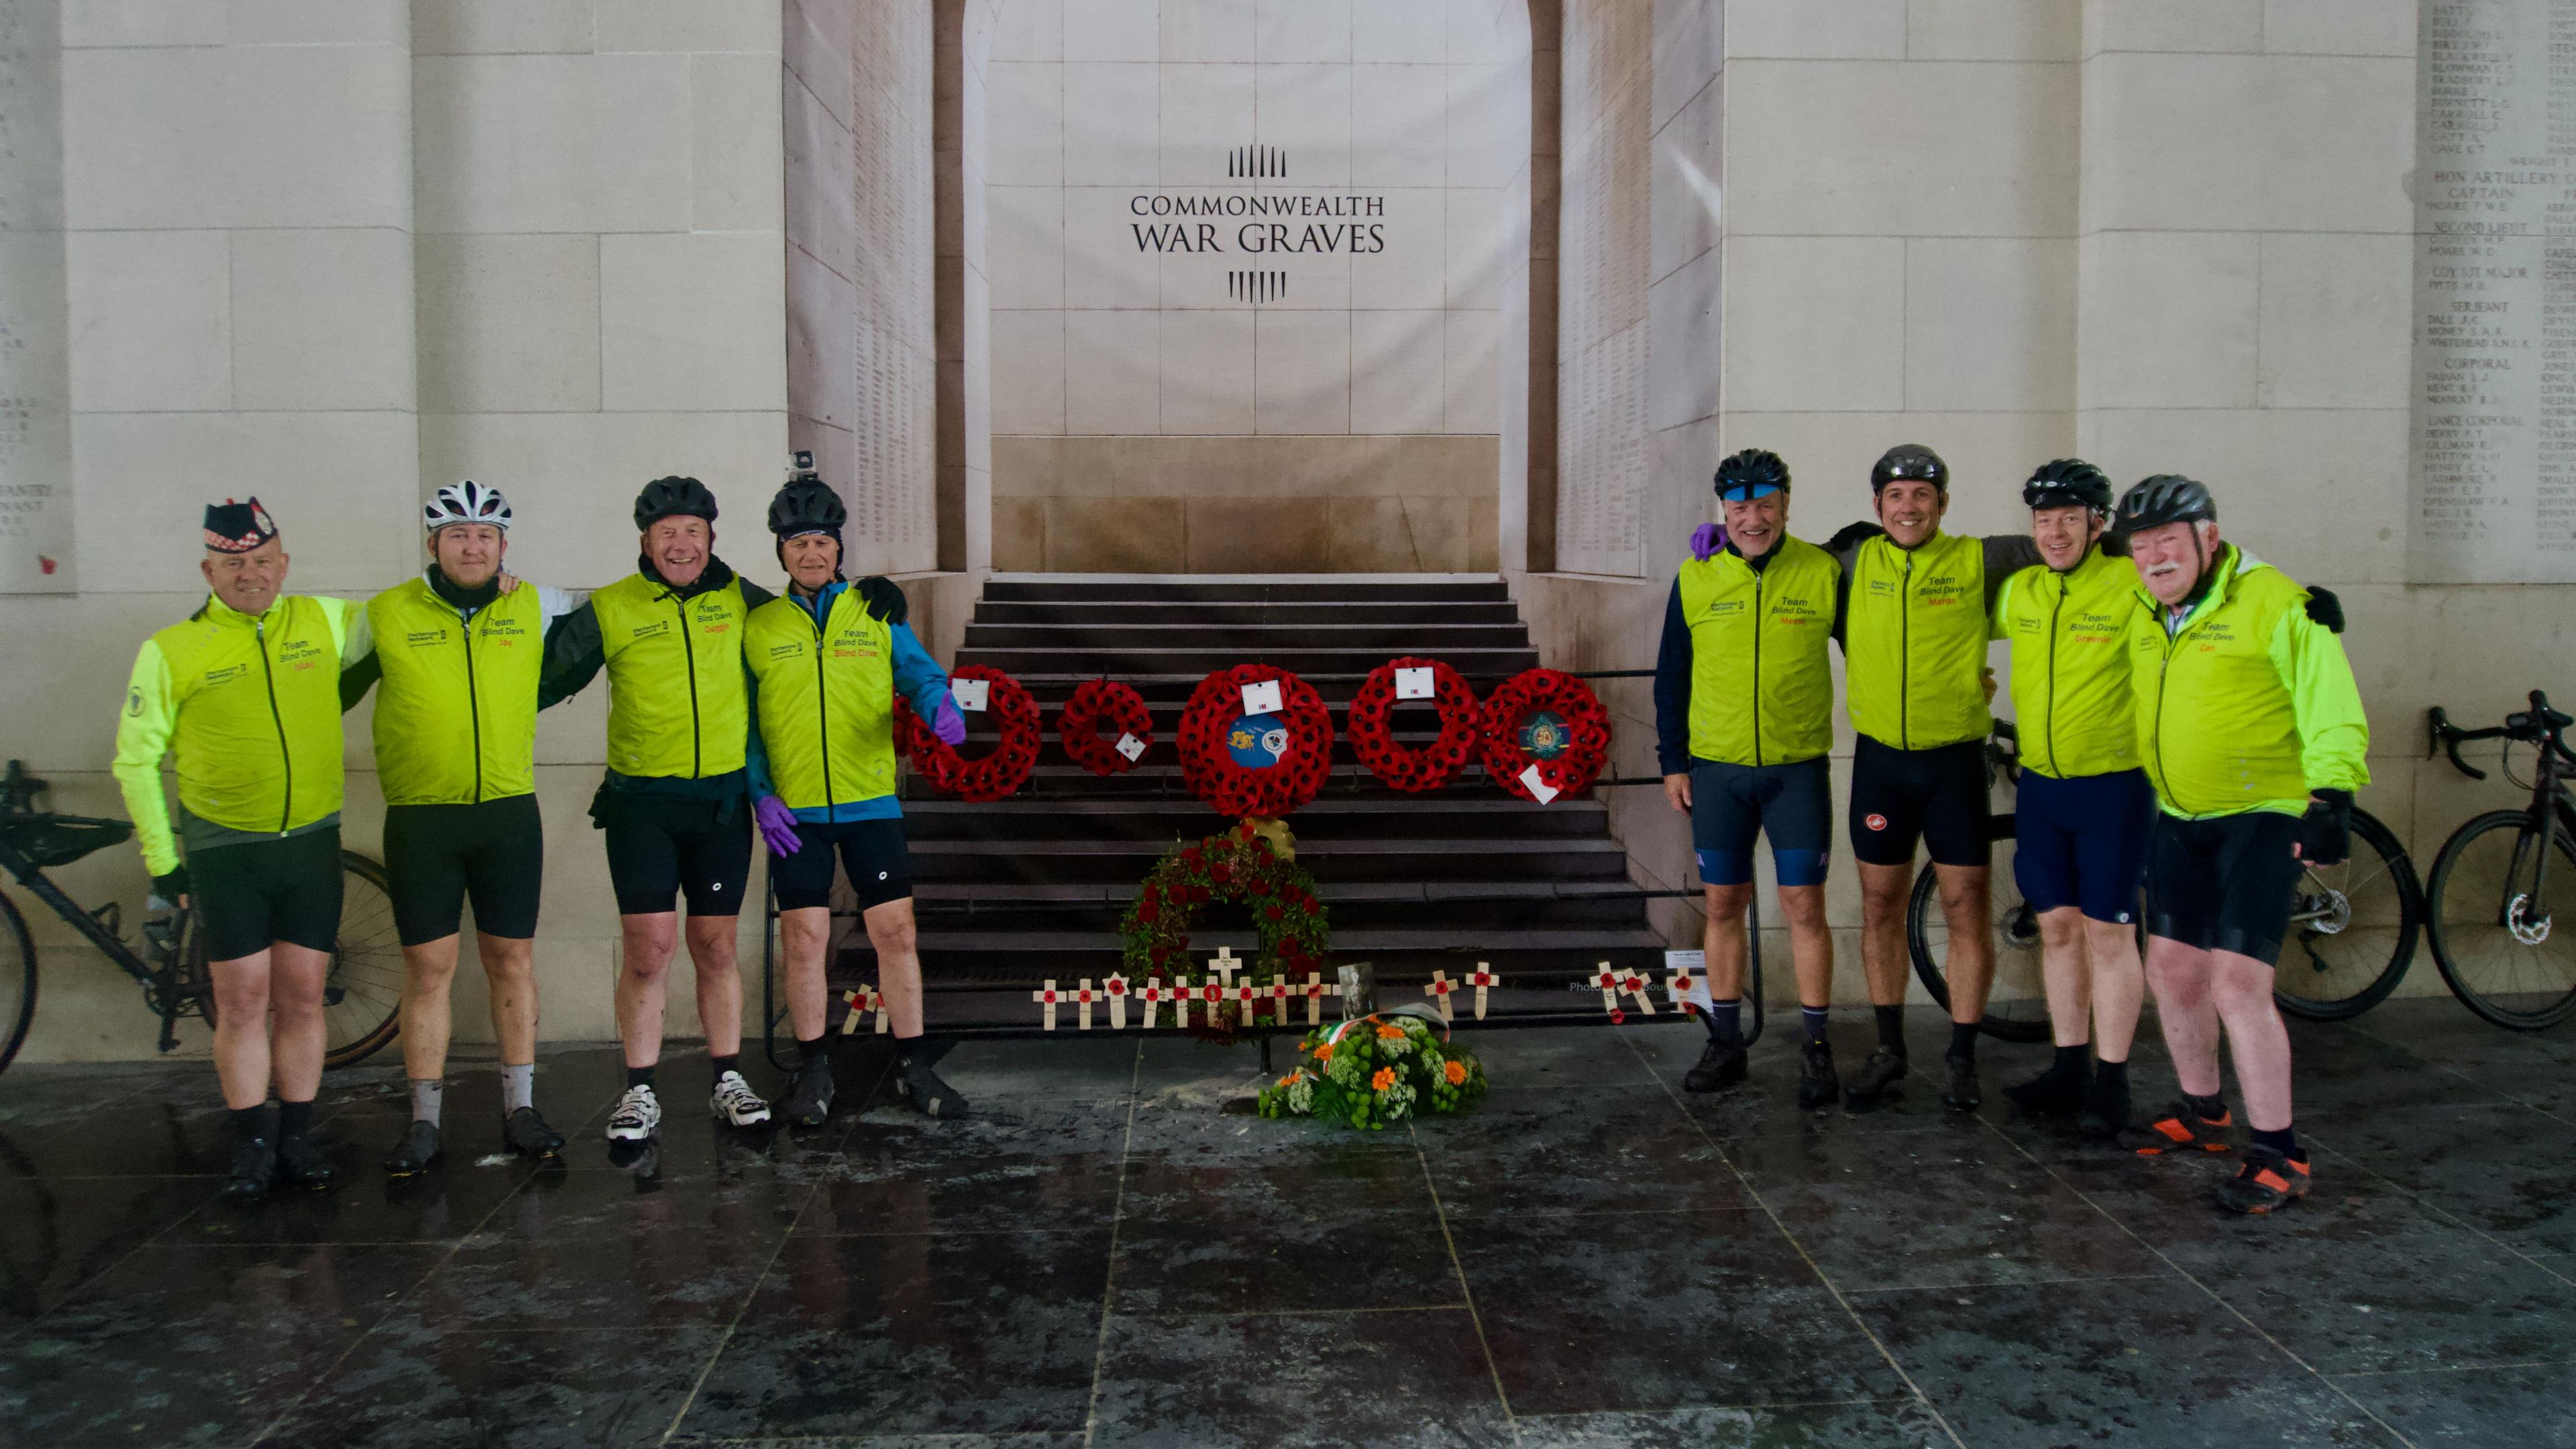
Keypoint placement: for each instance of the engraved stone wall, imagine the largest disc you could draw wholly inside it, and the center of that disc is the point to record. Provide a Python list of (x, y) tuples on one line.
[(35, 379)]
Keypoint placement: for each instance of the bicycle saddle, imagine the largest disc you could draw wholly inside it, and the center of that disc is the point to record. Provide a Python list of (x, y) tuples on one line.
[(48, 840)]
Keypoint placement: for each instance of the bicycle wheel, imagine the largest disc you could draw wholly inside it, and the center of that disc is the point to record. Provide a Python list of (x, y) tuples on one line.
[(17, 981), (2017, 1004), (2492, 939), (2352, 929), (362, 999)]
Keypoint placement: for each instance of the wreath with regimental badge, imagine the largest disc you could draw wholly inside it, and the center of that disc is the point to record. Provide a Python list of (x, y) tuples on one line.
[(1547, 720), (1099, 702), (1239, 763), (1399, 767), (989, 776)]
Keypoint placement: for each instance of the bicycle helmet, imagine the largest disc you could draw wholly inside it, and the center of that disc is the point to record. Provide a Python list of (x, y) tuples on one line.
[(2067, 483), (1909, 460), (667, 497), (806, 505), (466, 502), (1752, 473), (2162, 499)]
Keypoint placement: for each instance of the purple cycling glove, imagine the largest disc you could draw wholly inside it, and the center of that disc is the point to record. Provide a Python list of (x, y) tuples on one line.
[(777, 825), (947, 723), (1706, 540)]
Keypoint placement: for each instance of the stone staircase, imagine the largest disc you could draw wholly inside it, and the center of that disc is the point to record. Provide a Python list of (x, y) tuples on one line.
[(1030, 888)]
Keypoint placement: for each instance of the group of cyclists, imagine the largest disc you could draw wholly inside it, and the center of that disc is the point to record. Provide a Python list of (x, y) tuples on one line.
[(2190, 725), (730, 710), (2190, 729)]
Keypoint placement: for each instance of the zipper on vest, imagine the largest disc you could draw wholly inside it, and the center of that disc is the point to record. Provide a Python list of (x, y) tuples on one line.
[(2162, 669), (823, 714), (697, 733), (286, 810), (1905, 654), (2058, 603), (473, 703), (1757, 670)]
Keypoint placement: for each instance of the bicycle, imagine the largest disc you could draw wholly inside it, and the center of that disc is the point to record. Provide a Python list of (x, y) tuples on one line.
[(362, 996), (2492, 905), (2354, 927)]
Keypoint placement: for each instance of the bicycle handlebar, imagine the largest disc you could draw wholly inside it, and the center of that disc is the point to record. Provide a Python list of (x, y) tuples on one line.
[(2541, 725)]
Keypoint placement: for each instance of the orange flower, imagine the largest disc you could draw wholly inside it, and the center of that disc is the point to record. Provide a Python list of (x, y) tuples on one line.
[(1324, 1052), (1384, 1079), (1388, 1031), (1289, 1080), (1457, 1073)]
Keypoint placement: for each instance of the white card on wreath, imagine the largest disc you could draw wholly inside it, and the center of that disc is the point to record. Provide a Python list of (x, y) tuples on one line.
[(970, 694), (1261, 698), (1538, 785), (1131, 747), (1693, 964), (1413, 683)]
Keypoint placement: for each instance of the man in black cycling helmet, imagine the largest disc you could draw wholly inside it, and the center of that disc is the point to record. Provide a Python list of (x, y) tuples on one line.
[(2252, 730), (675, 802), (2084, 809), (1744, 701)]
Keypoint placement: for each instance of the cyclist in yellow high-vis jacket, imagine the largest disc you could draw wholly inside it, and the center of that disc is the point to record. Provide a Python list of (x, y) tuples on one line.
[(827, 659), (1744, 700), (675, 803), (246, 693), (1914, 634), (460, 650), (2084, 809), (2252, 729)]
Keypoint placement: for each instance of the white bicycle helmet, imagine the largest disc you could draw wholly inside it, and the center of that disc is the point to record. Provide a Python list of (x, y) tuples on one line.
[(466, 502)]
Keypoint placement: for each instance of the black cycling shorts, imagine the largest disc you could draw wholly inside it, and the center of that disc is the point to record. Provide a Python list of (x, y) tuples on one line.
[(2225, 883), (666, 846), (251, 893), (2083, 842), (872, 851), (1936, 796), (1792, 804), (438, 856)]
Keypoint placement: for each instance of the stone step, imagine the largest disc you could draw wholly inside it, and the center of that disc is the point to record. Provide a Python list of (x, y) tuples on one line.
[(1023, 958), (1183, 611), (1387, 639), (1450, 813), (1246, 588), (1414, 859), (1130, 663)]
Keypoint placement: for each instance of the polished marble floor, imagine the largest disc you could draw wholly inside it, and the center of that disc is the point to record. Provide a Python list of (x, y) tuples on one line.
[(1102, 1257)]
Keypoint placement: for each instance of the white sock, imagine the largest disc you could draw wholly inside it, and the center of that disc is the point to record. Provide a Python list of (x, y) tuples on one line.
[(518, 1087), (426, 1098)]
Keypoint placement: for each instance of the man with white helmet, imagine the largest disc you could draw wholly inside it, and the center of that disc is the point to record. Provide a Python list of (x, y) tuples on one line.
[(460, 650)]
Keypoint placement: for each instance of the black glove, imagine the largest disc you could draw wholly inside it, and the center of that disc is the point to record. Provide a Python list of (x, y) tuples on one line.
[(2324, 608), (172, 886), (1853, 536), (2325, 832), (885, 602)]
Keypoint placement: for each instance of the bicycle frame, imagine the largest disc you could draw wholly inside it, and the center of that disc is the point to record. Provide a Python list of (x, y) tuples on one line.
[(36, 883)]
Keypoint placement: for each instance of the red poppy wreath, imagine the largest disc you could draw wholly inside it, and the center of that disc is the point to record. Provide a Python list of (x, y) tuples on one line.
[(1547, 720), (1239, 763), (989, 776), (1399, 766), (1101, 713)]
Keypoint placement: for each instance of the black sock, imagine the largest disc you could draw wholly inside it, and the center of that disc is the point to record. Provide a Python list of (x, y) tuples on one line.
[(2114, 1076), (810, 1052), (639, 1076), (1726, 1020), (1891, 1028), (1963, 1040), (1813, 1019), (2211, 1108), (722, 1065), (250, 1124), (2284, 1142), (294, 1119), (2069, 1061)]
